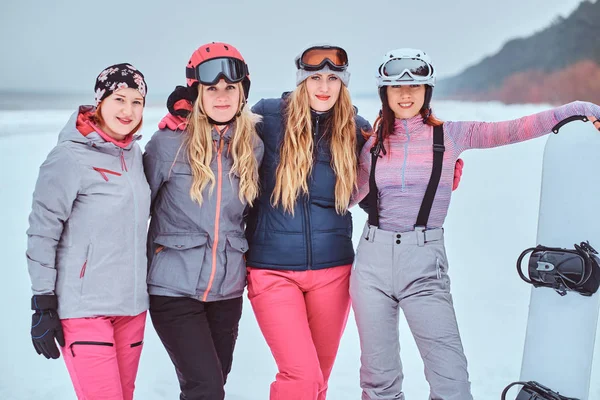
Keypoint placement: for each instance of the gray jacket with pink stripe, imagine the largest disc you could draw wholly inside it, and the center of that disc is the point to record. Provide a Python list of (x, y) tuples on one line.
[(195, 250), (87, 227)]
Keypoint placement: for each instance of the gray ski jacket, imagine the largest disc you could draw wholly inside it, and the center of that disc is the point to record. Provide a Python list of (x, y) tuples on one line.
[(87, 227), (195, 250)]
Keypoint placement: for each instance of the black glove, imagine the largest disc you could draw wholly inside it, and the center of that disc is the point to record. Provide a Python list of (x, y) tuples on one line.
[(180, 101), (45, 326)]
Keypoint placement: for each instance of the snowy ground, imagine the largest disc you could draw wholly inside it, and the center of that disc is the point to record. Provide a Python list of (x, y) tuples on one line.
[(493, 217)]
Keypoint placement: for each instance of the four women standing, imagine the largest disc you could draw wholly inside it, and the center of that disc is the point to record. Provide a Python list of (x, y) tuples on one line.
[(216, 207)]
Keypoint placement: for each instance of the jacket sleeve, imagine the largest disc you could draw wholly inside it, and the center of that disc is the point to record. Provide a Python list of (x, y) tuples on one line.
[(259, 109), (363, 128), (259, 151), (360, 195), (480, 135), (155, 168), (56, 190)]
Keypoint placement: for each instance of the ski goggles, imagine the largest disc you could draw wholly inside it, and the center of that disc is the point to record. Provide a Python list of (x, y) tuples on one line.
[(396, 68), (211, 71), (315, 58)]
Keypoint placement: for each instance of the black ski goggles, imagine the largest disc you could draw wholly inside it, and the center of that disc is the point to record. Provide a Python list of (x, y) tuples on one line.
[(315, 58), (211, 71), (417, 69)]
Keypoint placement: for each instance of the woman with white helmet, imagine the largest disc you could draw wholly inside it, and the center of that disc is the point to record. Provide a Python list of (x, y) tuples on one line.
[(407, 167)]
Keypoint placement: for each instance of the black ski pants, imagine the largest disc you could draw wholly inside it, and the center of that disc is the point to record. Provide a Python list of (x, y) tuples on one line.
[(200, 338)]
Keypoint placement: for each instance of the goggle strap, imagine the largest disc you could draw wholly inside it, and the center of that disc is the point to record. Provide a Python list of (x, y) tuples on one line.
[(190, 73)]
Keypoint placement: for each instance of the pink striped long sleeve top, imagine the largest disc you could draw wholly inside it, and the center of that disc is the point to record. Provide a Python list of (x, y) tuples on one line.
[(403, 173)]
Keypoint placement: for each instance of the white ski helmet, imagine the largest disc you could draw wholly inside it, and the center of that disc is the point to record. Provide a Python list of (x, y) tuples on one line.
[(406, 67)]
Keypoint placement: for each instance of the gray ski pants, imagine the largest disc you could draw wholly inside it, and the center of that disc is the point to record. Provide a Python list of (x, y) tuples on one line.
[(406, 270)]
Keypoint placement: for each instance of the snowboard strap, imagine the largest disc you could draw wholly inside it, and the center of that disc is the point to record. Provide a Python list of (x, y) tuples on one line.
[(563, 269), (434, 180), (532, 390)]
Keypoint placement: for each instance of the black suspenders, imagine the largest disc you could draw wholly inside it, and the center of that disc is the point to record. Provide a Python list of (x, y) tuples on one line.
[(434, 180), (373, 196)]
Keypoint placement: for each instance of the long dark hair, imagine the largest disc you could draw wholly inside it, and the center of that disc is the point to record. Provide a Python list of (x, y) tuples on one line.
[(384, 123)]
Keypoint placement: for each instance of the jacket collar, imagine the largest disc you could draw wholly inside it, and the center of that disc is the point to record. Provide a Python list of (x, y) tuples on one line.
[(403, 126)]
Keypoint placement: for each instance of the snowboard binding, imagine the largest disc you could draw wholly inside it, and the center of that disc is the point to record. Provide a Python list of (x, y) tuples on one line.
[(532, 390), (563, 269)]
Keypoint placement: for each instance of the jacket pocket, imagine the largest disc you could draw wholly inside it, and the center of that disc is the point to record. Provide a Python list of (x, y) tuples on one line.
[(441, 263), (235, 266), (178, 265), (180, 168), (363, 247), (99, 346), (442, 273), (85, 269)]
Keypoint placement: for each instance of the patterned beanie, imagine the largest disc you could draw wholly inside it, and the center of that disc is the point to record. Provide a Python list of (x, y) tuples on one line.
[(117, 77)]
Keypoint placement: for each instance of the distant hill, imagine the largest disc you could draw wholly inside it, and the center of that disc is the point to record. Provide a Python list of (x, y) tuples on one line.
[(559, 64)]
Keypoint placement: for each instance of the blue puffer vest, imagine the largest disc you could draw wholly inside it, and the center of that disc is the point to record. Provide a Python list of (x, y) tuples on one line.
[(315, 236)]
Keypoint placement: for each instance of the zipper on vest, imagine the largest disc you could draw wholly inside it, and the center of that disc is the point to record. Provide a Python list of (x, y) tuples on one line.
[(307, 220), (307, 235)]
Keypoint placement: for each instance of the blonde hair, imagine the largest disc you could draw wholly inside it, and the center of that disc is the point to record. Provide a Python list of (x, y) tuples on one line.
[(296, 158), (200, 149)]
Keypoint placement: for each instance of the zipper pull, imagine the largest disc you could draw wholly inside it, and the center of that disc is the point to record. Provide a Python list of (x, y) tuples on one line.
[(123, 163)]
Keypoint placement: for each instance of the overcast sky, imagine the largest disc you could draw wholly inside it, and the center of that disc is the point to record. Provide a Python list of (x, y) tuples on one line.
[(62, 45)]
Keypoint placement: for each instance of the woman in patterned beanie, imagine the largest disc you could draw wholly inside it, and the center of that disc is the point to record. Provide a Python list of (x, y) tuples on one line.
[(86, 241)]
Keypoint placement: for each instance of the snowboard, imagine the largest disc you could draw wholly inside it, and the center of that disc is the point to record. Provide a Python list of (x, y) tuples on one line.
[(561, 330)]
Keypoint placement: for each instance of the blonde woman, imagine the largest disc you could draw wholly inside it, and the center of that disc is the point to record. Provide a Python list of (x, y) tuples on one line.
[(300, 230), (202, 177)]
